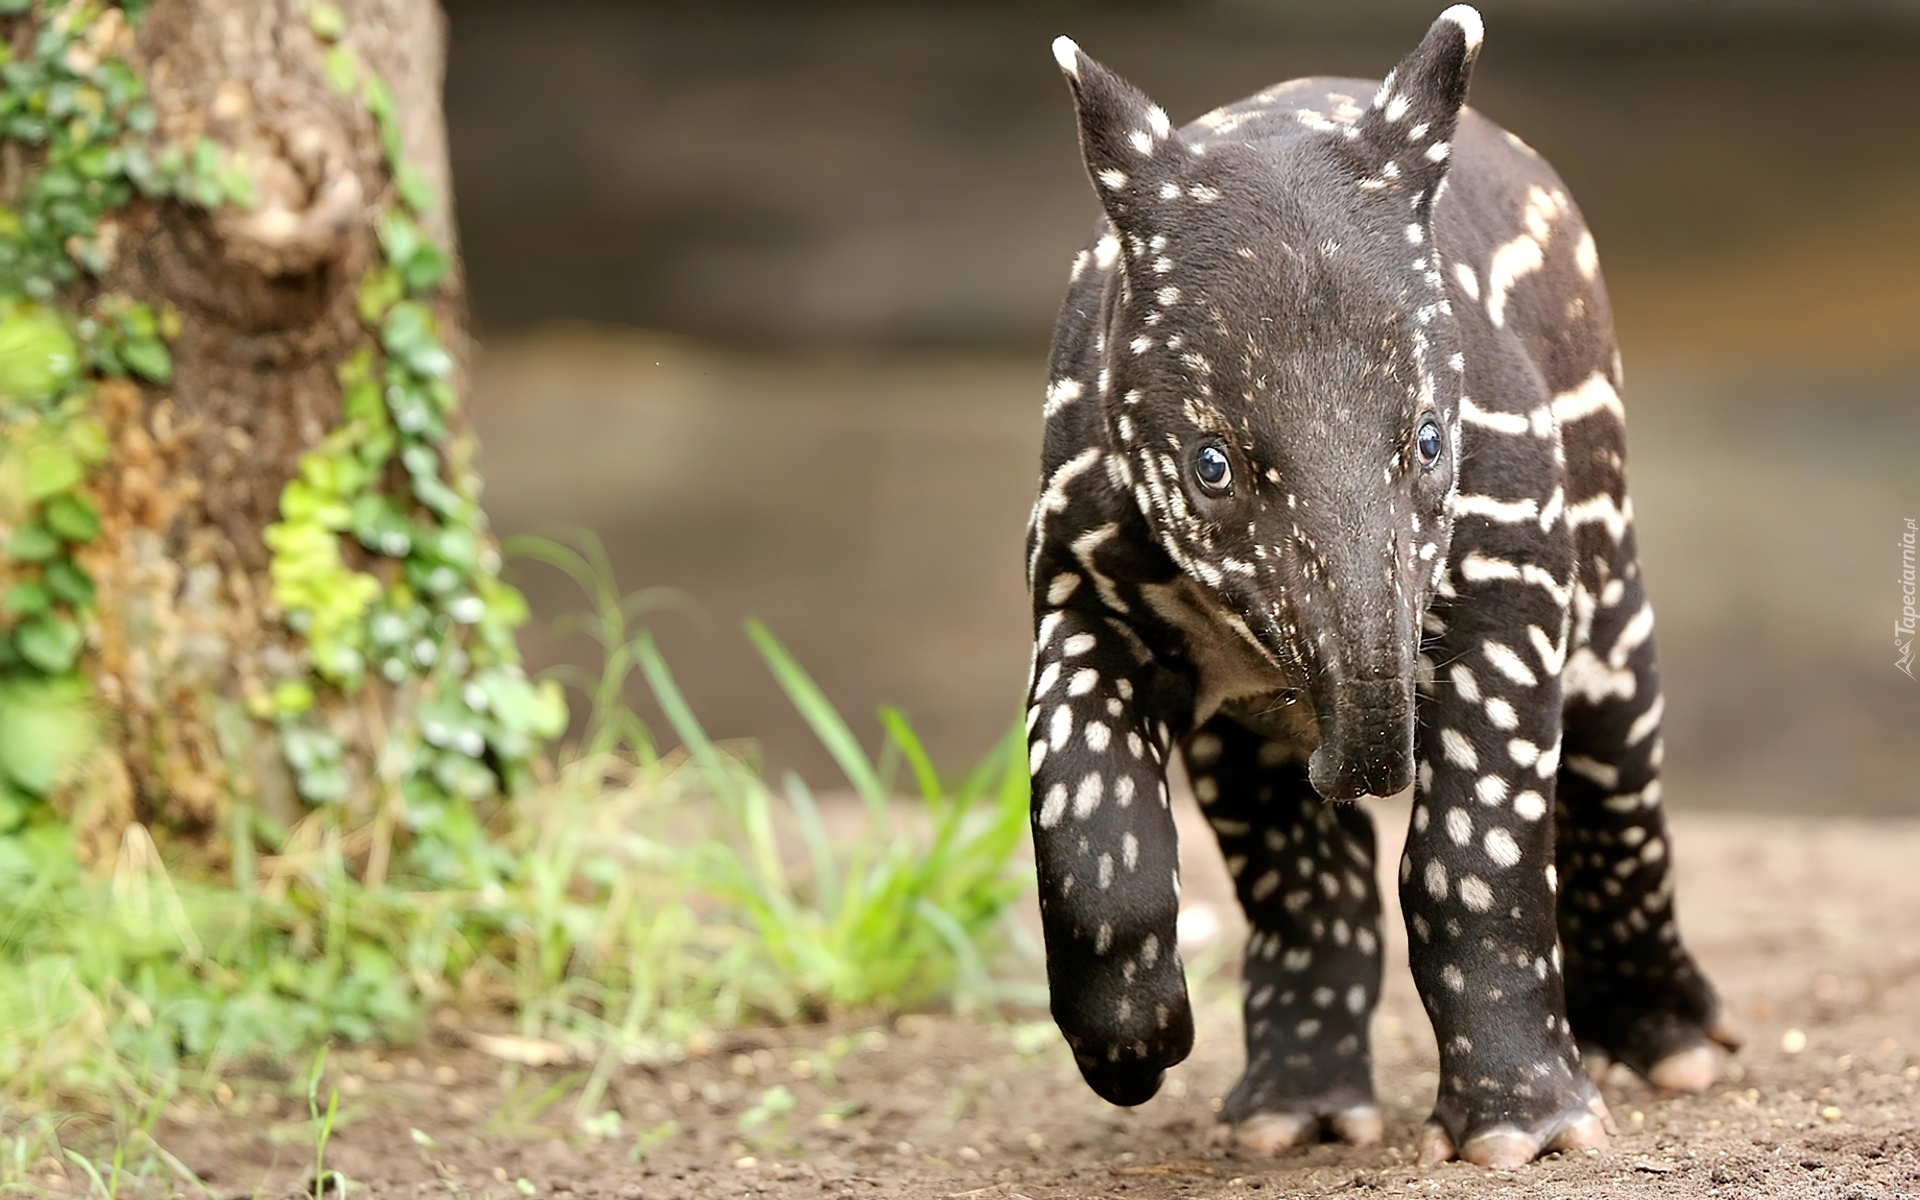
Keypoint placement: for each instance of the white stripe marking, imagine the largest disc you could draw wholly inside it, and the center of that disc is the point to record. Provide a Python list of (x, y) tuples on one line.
[(1505, 512), (1596, 394), (1511, 263), (1636, 631), (1593, 680), (1053, 498), (1498, 422), (1552, 657), (1647, 721), (1602, 510), (1480, 568), (1505, 661), (1606, 775)]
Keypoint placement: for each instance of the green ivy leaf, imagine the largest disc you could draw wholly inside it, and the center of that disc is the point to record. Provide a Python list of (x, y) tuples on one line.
[(69, 583), (379, 102), (45, 728), (13, 806), (148, 358), (38, 358), (458, 548), (410, 334), (72, 517), (51, 468), (415, 191), (49, 642), (379, 291), (420, 263), (400, 238), (87, 438), (292, 697), (463, 776), (137, 320), (424, 270), (382, 527), (238, 186), (506, 607), (26, 599), (32, 542), (523, 706)]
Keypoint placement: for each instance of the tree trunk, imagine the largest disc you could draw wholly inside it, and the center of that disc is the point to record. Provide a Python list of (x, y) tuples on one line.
[(296, 608)]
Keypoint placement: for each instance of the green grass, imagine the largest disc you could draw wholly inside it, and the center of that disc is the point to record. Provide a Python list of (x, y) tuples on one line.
[(649, 895)]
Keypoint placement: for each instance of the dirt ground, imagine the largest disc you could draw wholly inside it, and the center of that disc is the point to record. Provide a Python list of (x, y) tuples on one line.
[(1808, 926)]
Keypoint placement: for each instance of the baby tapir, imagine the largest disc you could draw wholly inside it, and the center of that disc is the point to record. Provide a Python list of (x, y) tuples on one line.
[(1333, 502)]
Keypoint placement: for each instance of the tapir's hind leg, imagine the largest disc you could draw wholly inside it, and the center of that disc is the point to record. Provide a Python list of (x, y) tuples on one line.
[(1633, 991), (1304, 872)]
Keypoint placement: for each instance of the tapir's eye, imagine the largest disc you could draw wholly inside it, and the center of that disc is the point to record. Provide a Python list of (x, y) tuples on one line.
[(1211, 468), (1427, 441)]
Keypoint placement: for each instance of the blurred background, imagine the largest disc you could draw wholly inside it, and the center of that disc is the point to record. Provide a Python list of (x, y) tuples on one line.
[(763, 293)]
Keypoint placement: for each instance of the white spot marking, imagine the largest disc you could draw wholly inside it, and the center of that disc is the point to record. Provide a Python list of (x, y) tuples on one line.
[(1054, 806), (1086, 798), (1585, 256)]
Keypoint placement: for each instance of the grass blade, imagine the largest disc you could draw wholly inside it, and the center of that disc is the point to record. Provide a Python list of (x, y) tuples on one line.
[(826, 880), (895, 723), (820, 715)]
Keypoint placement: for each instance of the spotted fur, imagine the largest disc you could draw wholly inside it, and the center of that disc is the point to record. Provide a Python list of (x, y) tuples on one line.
[(1302, 281)]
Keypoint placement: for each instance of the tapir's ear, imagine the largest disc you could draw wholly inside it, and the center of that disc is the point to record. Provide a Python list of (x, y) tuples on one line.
[(1405, 139), (1126, 139)]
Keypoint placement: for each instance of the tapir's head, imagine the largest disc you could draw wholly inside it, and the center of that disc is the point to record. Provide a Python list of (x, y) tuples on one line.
[(1280, 371)]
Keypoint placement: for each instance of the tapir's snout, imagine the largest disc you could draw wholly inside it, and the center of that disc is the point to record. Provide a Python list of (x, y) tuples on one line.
[(1366, 740)]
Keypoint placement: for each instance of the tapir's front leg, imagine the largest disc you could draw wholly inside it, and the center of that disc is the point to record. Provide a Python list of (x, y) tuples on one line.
[(1108, 864), (1477, 884)]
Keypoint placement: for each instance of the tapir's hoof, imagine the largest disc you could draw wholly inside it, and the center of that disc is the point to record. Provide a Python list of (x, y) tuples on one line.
[(1124, 1084), (1689, 1070), (1502, 1147), (1270, 1134), (1361, 1125), (1436, 1146), (1267, 1135)]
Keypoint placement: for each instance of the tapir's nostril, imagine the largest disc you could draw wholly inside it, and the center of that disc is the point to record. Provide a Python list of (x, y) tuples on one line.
[(1382, 772), (1366, 742)]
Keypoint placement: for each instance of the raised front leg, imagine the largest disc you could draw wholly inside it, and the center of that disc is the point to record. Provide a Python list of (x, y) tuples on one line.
[(1304, 872), (1108, 861), (1477, 884), (1633, 991)]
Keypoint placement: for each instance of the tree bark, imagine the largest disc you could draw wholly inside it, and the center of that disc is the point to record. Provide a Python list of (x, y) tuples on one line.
[(189, 652)]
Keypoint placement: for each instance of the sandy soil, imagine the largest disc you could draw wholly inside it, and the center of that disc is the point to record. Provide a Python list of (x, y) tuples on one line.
[(1807, 926)]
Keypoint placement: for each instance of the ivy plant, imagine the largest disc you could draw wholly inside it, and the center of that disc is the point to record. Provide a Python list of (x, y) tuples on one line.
[(436, 617)]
